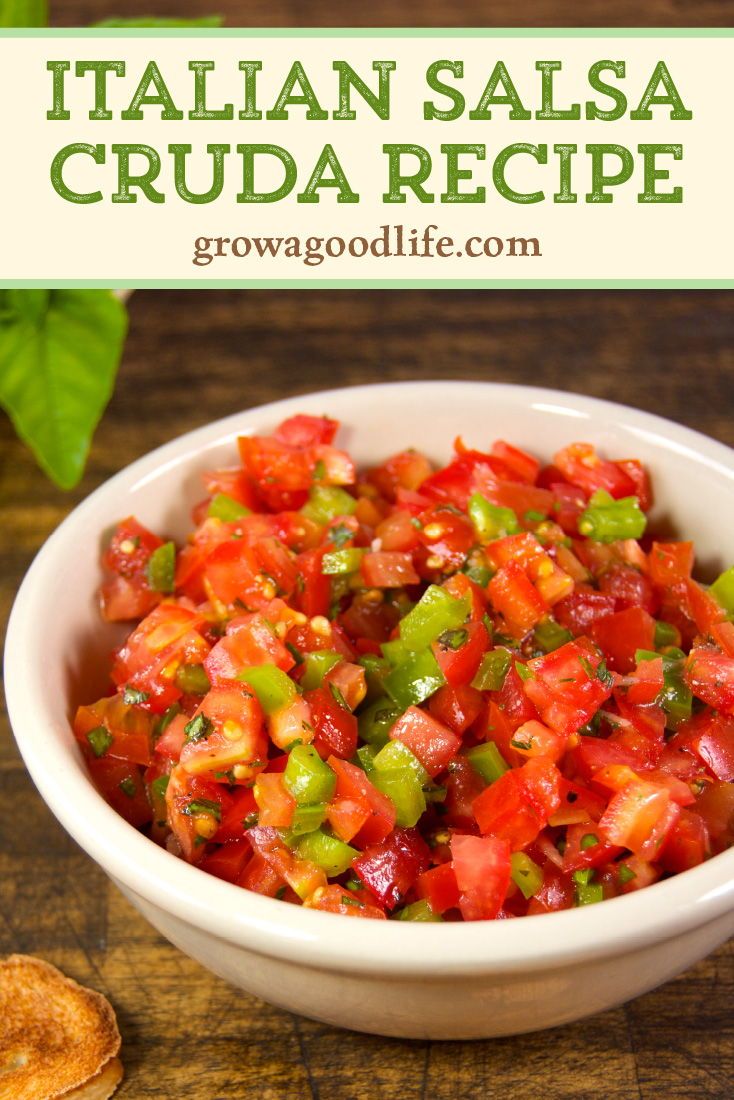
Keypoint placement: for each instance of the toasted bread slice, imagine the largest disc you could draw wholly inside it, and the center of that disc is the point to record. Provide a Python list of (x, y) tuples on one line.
[(100, 1087), (54, 1034)]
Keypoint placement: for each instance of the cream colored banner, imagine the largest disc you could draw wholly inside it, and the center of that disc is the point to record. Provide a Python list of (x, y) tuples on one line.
[(613, 231)]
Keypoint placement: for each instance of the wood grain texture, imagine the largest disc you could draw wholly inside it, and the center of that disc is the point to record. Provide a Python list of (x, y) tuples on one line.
[(412, 13), (195, 356)]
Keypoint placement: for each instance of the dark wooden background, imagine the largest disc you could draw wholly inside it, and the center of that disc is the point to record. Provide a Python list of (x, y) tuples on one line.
[(195, 356)]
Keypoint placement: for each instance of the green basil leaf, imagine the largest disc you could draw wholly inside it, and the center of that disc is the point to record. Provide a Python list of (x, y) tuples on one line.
[(59, 352), (202, 21), (23, 13)]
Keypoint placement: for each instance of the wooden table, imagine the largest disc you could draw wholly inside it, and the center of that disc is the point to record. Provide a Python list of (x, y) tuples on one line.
[(192, 357)]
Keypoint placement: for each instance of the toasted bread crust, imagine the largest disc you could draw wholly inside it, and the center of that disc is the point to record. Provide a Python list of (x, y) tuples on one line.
[(100, 1087), (54, 1034)]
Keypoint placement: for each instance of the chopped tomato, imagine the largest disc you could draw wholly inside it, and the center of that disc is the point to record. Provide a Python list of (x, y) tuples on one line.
[(337, 899), (620, 635), (518, 804), (434, 744), (581, 465), (639, 817), (388, 569), (459, 653), (351, 782), (482, 868), (390, 869), (438, 886), (568, 686)]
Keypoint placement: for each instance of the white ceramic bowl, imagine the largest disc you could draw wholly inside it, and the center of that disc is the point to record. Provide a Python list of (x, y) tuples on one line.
[(445, 981)]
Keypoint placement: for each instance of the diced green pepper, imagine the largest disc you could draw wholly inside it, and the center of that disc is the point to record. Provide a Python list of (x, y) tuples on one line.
[(395, 755), (227, 509), (415, 681), (342, 561), (326, 502), (317, 664), (665, 634), (487, 761), (477, 569), (161, 568), (723, 590), (306, 819), (376, 721), (419, 911), (273, 687), (366, 758), (589, 894), (307, 777), (203, 806), (492, 670), (676, 698), (550, 635), (192, 680), (375, 670), (396, 652), (608, 520), (526, 874), (405, 790), (159, 786), (161, 724), (625, 873), (645, 655), (435, 612), (327, 852), (99, 740), (490, 520)]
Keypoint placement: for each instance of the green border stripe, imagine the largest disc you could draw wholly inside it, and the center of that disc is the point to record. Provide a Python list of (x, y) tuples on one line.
[(369, 284), (367, 32)]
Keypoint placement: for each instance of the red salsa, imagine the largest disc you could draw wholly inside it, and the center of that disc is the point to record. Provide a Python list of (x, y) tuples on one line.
[(476, 691)]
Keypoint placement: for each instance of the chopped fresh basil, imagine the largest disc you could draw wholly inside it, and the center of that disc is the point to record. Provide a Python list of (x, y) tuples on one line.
[(198, 728), (100, 740), (133, 696)]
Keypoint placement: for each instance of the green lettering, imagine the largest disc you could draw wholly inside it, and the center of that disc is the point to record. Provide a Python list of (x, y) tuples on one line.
[(201, 111), (126, 179), (398, 180), (217, 153), (160, 97), (599, 178), (538, 152), (328, 160), (96, 152), (58, 112), (678, 111), (652, 173), (101, 69), (615, 94), (548, 111), (348, 79), (454, 174), (565, 194), (297, 76), (249, 152), (458, 103), (250, 113), (511, 97)]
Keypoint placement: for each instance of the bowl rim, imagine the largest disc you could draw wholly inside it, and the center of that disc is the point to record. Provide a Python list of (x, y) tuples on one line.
[(309, 937)]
